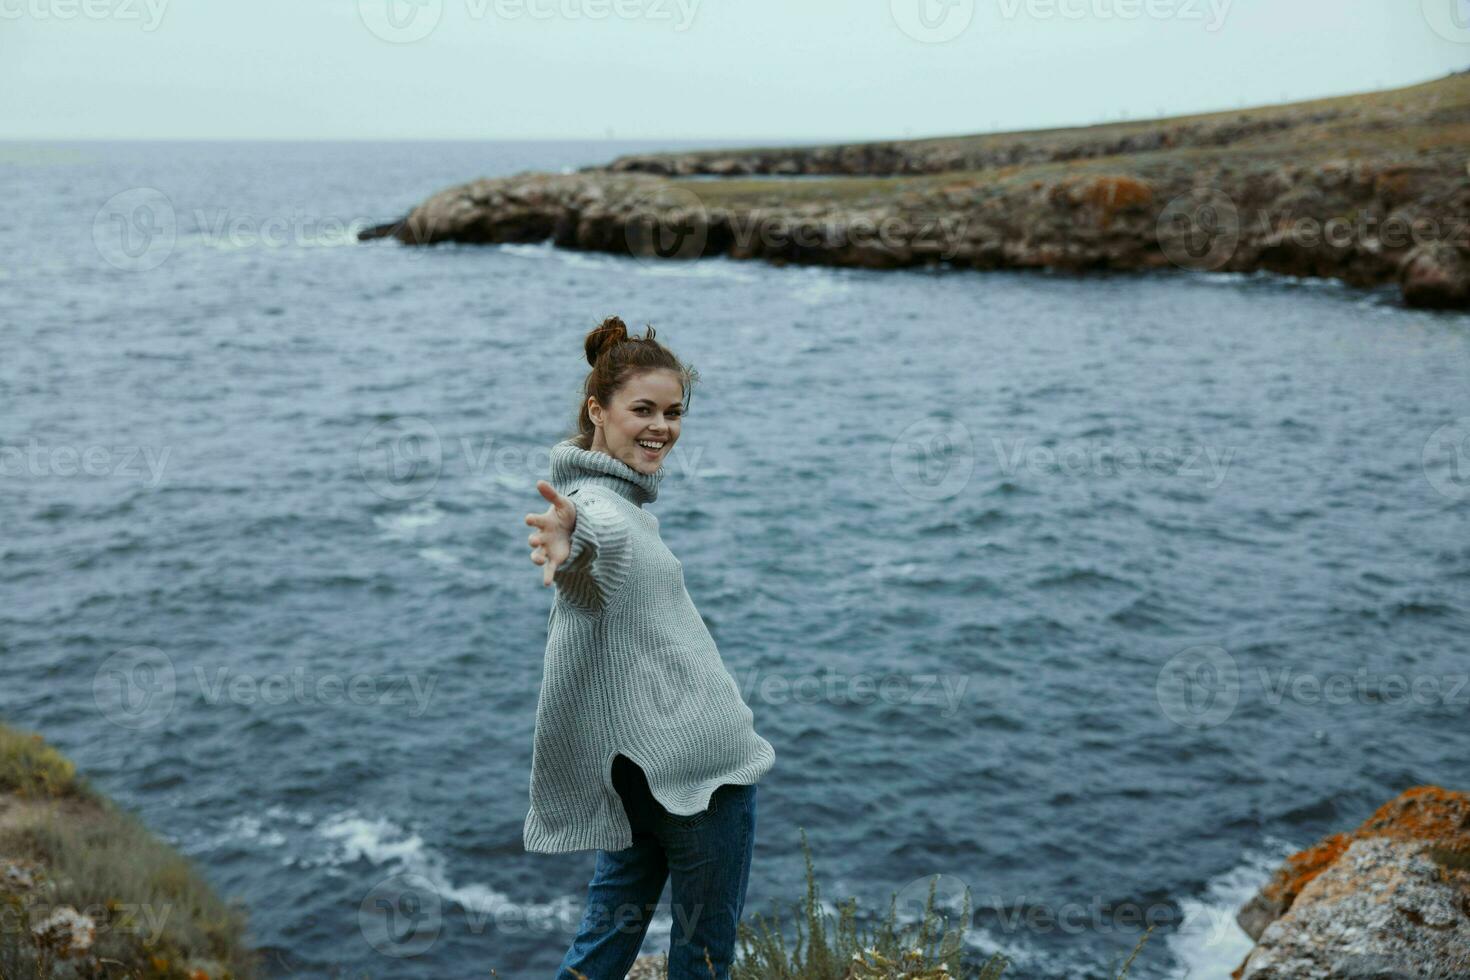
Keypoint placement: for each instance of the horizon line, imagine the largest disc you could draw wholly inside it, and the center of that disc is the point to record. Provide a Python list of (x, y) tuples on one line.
[(741, 140)]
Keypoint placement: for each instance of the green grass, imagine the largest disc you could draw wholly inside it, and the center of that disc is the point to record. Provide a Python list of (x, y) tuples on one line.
[(1428, 123), (34, 770), (826, 948), (157, 918), (1401, 105), (816, 945)]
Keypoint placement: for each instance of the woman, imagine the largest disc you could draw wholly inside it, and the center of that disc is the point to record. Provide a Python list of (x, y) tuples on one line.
[(644, 750)]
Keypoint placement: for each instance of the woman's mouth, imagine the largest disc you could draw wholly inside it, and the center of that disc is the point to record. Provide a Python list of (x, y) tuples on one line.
[(651, 448)]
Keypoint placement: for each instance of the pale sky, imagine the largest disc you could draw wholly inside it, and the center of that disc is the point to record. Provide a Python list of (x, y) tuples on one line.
[(756, 70)]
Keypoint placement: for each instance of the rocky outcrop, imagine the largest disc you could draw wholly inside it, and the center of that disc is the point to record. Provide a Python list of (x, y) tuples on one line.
[(87, 891), (1388, 900), (889, 158), (1342, 219), (1372, 190), (1435, 275)]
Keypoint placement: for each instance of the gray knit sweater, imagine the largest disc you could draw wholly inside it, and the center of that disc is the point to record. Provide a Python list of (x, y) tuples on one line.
[(630, 669)]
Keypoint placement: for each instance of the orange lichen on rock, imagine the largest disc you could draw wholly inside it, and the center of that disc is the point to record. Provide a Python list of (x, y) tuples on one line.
[(1303, 866), (1391, 898), (1399, 183), (1109, 195), (1118, 192), (1428, 814)]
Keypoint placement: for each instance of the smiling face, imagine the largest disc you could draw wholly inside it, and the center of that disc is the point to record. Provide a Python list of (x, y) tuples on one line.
[(646, 409)]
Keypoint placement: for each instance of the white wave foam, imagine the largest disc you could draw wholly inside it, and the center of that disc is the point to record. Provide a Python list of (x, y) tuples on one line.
[(711, 268), (438, 556), (246, 828), (727, 269), (395, 850), (250, 828), (817, 286), (273, 237), (1221, 278), (538, 250), (371, 840), (406, 523), (546, 250), (387, 846), (279, 812), (1209, 943), (897, 570), (1266, 276)]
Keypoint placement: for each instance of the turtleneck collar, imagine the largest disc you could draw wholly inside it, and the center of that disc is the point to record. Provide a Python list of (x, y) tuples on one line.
[(572, 467)]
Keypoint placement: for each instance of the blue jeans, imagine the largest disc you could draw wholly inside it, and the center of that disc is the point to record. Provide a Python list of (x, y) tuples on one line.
[(706, 856)]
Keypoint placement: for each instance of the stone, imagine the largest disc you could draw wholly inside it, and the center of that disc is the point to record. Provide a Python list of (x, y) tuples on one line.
[(1382, 909), (69, 932), (1389, 899), (1435, 275)]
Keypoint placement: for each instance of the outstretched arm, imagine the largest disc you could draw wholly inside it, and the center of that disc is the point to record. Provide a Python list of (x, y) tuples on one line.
[(551, 542), (578, 544)]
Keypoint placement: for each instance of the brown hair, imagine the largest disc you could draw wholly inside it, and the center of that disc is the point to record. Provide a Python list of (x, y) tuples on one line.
[(617, 358)]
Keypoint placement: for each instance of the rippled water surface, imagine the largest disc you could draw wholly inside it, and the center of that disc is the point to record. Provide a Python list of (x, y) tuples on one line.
[(957, 535)]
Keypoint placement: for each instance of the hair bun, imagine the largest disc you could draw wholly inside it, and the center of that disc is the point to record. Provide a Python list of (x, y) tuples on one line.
[(611, 332)]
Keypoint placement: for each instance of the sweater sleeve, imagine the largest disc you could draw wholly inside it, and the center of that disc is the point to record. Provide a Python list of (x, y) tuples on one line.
[(597, 564)]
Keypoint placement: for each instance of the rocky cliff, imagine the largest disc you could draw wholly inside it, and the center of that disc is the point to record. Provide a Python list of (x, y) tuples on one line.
[(1371, 189), (1390, 899), (87, 892)]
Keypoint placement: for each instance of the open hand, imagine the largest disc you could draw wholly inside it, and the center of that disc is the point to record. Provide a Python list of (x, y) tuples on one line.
[(552, 541)]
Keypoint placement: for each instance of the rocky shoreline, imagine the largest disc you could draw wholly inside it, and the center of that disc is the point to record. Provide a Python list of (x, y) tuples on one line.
[(896, 157), (87, 892), (1390, 899), (1371, 189)]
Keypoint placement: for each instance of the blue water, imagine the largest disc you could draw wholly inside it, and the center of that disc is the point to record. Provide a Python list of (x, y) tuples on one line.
[(949, 529)]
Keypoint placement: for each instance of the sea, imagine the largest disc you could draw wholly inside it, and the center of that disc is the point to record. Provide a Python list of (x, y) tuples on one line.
[(1089, 596)]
